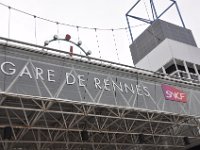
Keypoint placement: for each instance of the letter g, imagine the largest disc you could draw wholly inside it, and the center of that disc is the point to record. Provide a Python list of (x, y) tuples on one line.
[(11, 71)]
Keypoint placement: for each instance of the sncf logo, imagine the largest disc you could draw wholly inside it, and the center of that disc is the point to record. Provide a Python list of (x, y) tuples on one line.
[(174, 94)]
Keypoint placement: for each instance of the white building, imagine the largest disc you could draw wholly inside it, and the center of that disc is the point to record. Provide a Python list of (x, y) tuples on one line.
[(169, 49)]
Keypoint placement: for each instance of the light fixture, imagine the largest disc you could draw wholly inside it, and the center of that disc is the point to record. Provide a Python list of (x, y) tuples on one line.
[(55, 37), (67, 37), (79, 43), (46, 43), (89, 53)]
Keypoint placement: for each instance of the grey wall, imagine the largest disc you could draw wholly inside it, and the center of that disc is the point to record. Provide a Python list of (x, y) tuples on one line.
[(155, 34), (144, 91)]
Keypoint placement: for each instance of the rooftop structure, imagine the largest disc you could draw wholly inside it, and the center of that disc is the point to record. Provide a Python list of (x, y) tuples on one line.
[(155, 34), (172, 52)]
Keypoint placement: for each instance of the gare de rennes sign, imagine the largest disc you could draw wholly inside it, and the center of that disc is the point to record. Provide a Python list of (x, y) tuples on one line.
[(10, 69), (68, 80)]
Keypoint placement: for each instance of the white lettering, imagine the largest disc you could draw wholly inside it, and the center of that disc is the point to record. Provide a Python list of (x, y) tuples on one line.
[(97, 82), (11, 70), (106, 84), (72, 77), (119, 87), (38, 73), (50, 74), (146, 92), (139, 90), (127, 88), (175, 95), (169, 94), (81, 80), (182, 95), (25, 71)]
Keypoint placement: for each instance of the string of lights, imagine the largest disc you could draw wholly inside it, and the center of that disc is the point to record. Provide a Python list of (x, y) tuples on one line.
[(78, 32), (66, 24)]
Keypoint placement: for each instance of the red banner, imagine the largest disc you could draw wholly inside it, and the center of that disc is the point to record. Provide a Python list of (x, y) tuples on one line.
[(174, 94)]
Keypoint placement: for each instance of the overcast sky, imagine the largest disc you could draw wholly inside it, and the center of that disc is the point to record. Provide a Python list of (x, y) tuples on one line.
[(91, 13)]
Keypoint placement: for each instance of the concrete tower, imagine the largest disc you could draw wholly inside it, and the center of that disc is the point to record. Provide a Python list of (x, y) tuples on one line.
[(167, 48)]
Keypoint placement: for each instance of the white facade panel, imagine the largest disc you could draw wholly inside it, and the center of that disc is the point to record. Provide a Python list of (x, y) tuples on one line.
[(167, 50)]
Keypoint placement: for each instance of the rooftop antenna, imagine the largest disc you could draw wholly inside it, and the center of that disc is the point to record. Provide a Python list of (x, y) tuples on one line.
[(154, 13)]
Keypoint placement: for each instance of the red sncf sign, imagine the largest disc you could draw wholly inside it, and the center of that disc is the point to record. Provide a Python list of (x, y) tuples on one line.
[(174, 94)]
